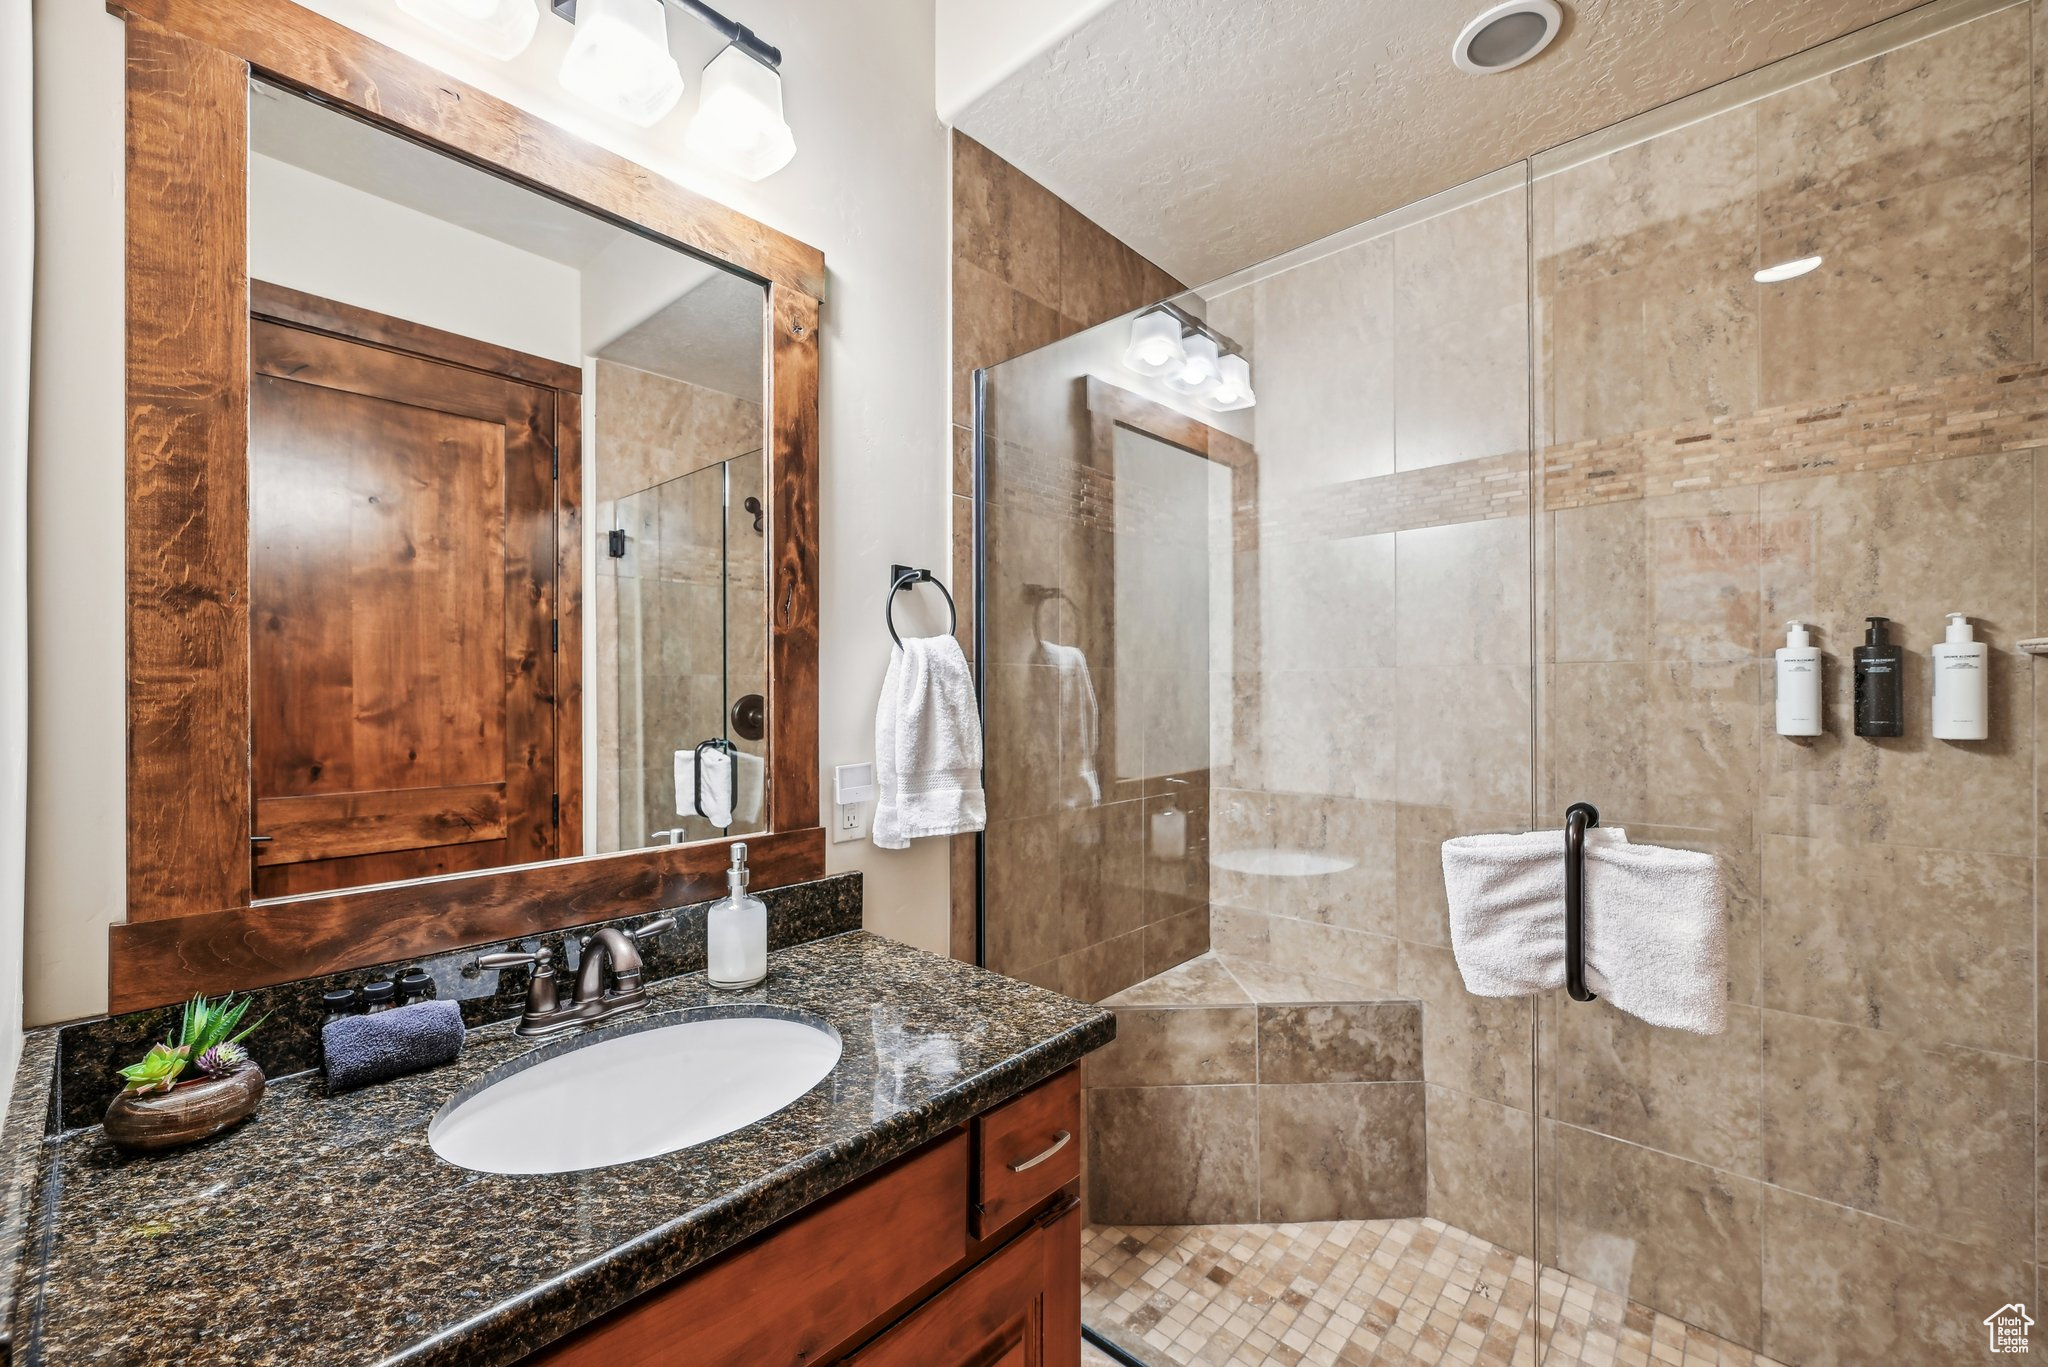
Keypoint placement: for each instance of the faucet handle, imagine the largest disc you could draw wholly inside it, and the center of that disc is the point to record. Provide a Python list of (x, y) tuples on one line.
[(652, 928), (542, 960)]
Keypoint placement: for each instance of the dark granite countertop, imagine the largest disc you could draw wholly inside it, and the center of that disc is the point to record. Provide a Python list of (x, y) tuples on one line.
[(326, 1230)]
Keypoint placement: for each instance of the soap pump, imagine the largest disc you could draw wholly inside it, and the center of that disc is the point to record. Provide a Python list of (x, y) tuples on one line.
[(737, 933), (1798, 683), (1880, 687), (1960, 710)]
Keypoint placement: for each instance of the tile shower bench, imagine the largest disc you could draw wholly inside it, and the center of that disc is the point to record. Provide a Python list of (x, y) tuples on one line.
[(1238, 1092)]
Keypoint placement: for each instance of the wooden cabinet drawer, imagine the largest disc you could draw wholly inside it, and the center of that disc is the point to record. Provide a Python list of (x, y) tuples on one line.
[(1025, 1150), (1021, 1308), (804, 1289)]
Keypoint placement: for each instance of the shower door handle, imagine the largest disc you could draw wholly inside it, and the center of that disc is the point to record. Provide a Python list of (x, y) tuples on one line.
[(1577, 818)]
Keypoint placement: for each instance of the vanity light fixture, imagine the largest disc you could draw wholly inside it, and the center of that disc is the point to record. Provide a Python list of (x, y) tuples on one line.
[(1786, 270), (496, 28), (1172, 345), (1198, 367), (619, 59), (627, 69), (1155, 348), (738, 123), (1232, 389)]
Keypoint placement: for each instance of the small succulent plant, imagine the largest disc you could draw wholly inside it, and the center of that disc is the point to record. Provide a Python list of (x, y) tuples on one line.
[(206, 1038), (222, 1059), (157, 1072)]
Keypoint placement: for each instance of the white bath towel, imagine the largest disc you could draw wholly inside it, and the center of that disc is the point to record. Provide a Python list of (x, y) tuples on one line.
[(717, 786), (1656, 923), (927, 745), (1080, 723)]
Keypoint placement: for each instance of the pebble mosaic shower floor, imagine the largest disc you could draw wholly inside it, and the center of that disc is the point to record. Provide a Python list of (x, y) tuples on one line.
[(1349, 1293)]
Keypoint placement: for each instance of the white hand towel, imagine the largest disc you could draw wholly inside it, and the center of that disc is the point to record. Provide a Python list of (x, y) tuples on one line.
[(927, 745), (753, 786), (1656, 923), (1079, 726), (717, 786)]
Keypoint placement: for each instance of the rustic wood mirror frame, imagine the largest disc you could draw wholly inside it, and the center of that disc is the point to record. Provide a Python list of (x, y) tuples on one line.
[(192, 925)]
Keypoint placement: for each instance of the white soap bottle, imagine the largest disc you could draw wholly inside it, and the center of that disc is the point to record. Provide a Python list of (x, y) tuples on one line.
[(1798, 683), (737, 936), (1961, 668)]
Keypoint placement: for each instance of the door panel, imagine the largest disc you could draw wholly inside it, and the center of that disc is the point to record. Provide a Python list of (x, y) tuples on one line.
[(402, 573), (998, 1314)]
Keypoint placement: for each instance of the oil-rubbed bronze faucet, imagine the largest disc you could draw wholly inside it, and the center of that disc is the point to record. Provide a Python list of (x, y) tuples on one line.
[(611, 954)]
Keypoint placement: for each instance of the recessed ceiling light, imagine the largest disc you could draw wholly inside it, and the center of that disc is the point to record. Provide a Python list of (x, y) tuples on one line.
[(1786, 270), (1506, 36)]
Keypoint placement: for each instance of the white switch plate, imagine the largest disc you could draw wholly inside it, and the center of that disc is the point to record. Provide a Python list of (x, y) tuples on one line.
[(849, 821)]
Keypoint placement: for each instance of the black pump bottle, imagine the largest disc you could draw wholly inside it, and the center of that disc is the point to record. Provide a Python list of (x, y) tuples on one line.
[(1880, 692)]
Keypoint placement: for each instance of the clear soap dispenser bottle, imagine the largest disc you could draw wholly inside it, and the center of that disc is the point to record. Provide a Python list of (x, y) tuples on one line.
[(738, 931), (1960, 710)]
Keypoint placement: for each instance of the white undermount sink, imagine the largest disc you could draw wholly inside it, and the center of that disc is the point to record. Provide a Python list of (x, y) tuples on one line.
[(617, 1097)]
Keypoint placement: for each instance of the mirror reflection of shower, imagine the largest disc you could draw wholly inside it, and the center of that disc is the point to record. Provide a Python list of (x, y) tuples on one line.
[(1080, 716)]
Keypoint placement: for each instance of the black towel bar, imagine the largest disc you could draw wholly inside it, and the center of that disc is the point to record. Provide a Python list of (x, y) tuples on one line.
[(1577, 818)]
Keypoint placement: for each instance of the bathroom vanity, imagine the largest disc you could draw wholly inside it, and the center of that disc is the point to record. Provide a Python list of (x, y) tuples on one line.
[(916, 1207)]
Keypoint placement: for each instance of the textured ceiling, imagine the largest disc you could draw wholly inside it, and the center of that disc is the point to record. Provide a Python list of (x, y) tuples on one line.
[(710, 337), (1211, 136)]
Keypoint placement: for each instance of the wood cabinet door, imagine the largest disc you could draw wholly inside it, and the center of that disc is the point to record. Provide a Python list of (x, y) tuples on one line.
[(1010, 1311), (402, 572)]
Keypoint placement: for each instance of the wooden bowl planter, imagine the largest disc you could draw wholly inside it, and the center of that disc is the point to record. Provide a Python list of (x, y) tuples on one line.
[(188, 1113)]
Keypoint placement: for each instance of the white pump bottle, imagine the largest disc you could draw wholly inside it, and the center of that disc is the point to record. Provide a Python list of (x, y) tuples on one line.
[(1798, 683), (1961, 669)]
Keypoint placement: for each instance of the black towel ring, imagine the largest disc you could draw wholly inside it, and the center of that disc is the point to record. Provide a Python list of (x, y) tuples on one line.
[(902, 577)]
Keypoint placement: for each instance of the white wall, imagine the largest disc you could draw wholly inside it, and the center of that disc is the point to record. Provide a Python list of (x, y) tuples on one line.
[(868, 187), (310, 233), (979, 43), (17, 270)]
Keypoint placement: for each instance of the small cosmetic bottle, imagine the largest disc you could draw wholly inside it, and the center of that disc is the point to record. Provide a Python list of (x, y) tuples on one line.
[(1880, 685), (738, 931)]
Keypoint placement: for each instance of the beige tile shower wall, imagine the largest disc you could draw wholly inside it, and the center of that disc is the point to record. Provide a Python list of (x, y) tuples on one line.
[(667, 675), (1849, 1173), (1083, 901), (1385, 702)]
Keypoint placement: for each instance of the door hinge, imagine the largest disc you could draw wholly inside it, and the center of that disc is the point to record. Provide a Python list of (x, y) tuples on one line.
[(557, 804), (555, 464), (555, 634), (615, 543)]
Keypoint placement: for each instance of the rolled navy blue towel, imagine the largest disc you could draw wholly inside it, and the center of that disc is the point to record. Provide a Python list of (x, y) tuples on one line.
[(364, 1049)]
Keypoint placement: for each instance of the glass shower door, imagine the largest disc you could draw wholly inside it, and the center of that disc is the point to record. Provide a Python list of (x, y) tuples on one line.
[(1845, 1172), (690, 598)]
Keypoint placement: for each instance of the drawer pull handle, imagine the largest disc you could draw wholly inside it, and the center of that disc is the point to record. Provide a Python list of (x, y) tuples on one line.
[(1057, 1144)]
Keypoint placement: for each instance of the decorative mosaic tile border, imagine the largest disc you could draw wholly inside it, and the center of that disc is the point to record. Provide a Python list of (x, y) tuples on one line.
[(2005, 409)]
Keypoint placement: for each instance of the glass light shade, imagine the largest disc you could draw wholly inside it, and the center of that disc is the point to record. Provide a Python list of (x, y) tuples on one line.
[(496, 28), (619, 59), (1232, 388), (739, 123), (1155, 347), (1197, 367)]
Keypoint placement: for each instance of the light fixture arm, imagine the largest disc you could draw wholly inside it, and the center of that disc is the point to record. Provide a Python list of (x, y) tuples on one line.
[(738, 34), (1190, 323)]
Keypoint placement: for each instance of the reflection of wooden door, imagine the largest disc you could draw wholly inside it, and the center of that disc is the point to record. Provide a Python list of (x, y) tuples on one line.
[(402, 583)]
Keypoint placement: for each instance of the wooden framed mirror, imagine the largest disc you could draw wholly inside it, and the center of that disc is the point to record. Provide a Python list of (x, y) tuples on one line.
[(362, 608)]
